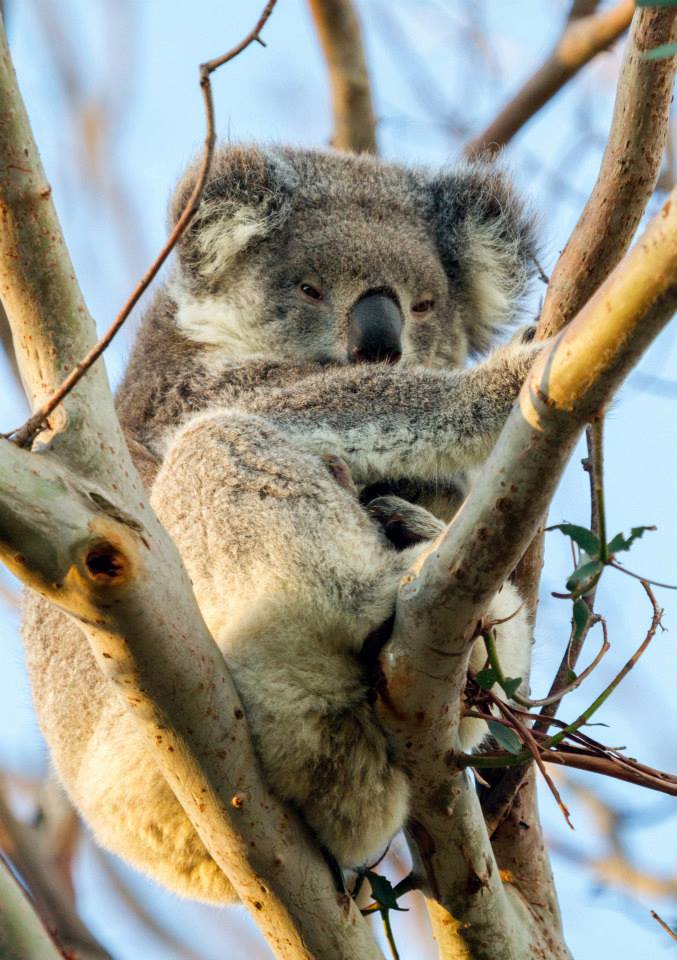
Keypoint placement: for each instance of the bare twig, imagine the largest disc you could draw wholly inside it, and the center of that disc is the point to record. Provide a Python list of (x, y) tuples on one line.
[(25, 435), (670, 932), (534, 749), (583, 38), (339, 32)]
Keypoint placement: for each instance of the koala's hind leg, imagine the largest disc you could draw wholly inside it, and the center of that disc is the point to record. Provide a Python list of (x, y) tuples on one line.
[(404, 524), (291, 575)]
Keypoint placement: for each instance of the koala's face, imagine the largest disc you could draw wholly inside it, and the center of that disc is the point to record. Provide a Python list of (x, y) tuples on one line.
[(335, 258)]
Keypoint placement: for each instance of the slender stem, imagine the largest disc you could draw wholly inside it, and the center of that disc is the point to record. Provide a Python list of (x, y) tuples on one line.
[(385, 916), (481, 760), (596, 448)]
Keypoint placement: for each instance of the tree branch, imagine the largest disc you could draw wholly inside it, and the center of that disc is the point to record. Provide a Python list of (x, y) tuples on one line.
[(582, 39), (448, 589), (22, 935), (339, 31), (53, 900), (628, 172), (84, 536)]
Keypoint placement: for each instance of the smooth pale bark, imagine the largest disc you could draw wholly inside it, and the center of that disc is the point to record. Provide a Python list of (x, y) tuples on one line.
[(448, 589), (75, 525), (339, 31)]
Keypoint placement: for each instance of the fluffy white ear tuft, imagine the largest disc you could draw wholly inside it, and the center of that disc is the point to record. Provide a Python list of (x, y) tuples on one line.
[(219, 239), (485, 238), (497, 277)]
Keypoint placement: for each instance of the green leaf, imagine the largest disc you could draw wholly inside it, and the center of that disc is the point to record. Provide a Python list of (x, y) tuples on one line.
[(664, 50), (383, 892), (572, 676), (486, 678), (580, 576), (585, 538), (581, 615), (620, 542), (505, 737), (511, 685)]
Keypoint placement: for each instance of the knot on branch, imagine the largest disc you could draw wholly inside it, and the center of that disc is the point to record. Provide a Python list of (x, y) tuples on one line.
[(107, 565)]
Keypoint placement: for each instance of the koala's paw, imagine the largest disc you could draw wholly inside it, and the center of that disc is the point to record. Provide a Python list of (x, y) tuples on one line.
[(403, 523), (520, 352), (340, 471), (527, 332)]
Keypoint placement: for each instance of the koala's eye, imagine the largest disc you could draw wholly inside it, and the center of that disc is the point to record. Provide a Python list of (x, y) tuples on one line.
[(422, 307), (310, 292)]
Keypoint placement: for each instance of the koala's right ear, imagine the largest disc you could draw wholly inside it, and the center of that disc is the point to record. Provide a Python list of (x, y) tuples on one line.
[(247, 195)]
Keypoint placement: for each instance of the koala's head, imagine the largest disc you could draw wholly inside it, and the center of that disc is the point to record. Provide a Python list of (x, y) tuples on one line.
[(331, 257)]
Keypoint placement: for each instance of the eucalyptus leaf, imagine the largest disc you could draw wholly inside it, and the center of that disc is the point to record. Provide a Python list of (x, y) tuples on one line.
[(619, 542), (505, 737), (511, 685), (486, 678), (663, 51), (581, 615), (383, 892), (585, 538), (582, 574)]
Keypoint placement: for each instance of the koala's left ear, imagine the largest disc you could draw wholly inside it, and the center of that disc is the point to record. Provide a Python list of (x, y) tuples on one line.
[(486, 243)]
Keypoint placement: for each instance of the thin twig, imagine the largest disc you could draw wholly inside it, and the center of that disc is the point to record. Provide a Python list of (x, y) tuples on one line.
[(594, 465), (534, 750), (637, 576), (499, 760), (670, 932), (25, 435)]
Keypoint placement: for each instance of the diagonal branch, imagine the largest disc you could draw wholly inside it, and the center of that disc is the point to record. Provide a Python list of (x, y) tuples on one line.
[(76, 526), (582, 39), (446, 592), (339, 31), (26, 434), (22, 935), (628, 172)]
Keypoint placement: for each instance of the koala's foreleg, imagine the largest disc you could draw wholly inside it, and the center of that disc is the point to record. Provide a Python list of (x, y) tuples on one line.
[(411, 422)]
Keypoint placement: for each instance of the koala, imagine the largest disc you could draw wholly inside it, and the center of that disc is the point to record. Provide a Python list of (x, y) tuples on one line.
[(305, 359)]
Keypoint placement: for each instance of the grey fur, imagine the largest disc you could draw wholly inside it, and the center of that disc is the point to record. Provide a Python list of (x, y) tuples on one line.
[(237, 389)]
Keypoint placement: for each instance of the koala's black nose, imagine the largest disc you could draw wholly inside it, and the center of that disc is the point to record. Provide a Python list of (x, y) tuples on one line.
[(375, 329)]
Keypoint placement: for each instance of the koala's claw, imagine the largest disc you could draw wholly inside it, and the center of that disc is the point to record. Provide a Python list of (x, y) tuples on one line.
[(404, 523), (340, 471)]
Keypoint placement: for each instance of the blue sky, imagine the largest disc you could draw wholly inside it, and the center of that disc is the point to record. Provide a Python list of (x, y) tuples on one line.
[(143, 55)]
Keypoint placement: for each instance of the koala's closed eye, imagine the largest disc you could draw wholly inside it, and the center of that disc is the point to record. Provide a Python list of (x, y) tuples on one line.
[(310, 292), (423, 306)]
